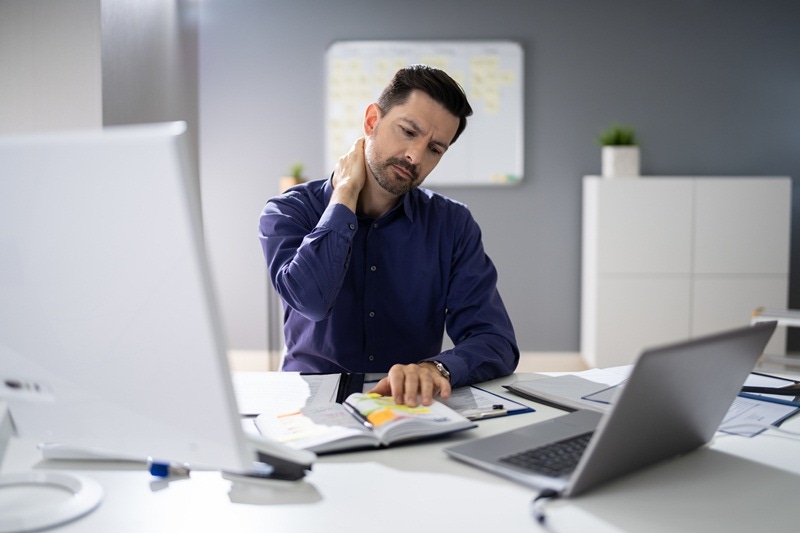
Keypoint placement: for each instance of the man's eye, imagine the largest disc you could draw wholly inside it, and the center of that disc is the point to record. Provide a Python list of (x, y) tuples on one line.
[(436, 150), (407, 132)]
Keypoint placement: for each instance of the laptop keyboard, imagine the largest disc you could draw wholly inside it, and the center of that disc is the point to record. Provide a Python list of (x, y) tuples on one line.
[(556, 459)]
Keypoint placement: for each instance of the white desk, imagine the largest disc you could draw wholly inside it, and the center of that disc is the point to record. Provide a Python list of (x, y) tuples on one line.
[(737, 484)]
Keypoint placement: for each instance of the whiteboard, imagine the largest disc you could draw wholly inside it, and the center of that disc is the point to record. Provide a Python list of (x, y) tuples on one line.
[(489, 152)]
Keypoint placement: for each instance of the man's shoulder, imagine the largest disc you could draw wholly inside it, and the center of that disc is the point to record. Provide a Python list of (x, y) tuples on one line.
[(313, 188), (310, 194), (429, 199), (431, 208)]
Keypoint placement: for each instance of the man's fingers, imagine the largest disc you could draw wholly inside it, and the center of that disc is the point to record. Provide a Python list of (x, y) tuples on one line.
[(382, 387), (412, 384)]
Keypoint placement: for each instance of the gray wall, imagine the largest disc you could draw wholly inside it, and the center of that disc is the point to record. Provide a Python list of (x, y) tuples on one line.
[(712, 87), (50, 65), (68, 64), (150, 63)]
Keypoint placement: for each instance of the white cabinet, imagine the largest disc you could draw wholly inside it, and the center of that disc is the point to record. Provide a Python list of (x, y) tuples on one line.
[(669, 258)]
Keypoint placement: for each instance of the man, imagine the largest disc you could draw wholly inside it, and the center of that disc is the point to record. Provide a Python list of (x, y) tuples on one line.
[(371, 268)]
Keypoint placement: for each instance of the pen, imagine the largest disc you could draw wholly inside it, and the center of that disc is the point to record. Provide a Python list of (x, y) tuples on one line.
[(488, 414), (498, 409), (779, 378), (769, 399), (355, 412), (790, 390), (160, 469)]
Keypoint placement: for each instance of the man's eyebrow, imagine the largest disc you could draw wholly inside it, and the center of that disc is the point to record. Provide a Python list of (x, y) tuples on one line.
[(414, 126)]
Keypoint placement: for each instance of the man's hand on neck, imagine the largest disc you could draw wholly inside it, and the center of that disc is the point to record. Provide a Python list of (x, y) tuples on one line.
[(356, 188), (350, 176)]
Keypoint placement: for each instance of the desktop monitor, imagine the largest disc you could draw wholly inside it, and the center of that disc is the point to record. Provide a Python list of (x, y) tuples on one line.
[(110, 340)]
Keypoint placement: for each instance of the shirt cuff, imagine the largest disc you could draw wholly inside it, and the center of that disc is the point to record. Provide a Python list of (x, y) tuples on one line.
[(339, 218)]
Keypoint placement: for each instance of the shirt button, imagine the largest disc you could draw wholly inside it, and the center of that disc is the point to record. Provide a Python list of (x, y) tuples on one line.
[(372, 314), (375, 226), (373, 268), (352, 226), (371, 358)]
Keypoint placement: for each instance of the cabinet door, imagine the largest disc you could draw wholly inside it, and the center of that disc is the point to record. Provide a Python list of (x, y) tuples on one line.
[(635, 312), (742, 226), (644, 226), (724, 302)]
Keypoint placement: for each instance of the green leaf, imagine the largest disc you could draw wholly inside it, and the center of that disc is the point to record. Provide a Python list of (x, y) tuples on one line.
[(618, 135)]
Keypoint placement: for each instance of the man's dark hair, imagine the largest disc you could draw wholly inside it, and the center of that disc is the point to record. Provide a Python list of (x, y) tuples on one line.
[(433, 82)]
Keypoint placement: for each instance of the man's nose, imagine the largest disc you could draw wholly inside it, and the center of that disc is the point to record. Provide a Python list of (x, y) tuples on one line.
[(414, 152)]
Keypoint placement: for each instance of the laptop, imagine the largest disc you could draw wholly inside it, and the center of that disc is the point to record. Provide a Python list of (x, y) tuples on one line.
[(672, 403)]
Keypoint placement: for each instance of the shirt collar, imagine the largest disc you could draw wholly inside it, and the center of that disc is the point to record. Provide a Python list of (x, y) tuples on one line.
[(327, 189), (407, 203)]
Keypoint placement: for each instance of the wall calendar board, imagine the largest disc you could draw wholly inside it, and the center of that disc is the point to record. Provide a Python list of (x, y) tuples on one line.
[(489, 152)]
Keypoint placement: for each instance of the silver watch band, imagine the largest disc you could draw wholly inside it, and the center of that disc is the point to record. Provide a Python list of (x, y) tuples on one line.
[(441, 368)]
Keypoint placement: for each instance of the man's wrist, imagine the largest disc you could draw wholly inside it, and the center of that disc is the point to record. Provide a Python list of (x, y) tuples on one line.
[(347, 195), (439, 367)]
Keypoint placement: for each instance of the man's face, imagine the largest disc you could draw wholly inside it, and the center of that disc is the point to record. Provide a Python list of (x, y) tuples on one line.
[(407, 143)]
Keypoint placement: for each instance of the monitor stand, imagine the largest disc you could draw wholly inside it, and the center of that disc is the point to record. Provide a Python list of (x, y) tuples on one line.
[(38, 499)]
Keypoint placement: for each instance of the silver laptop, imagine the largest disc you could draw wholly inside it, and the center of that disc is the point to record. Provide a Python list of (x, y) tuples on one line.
[(672, 403)]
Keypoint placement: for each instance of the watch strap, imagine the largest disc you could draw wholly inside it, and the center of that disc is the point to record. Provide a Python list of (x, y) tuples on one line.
[(440, 368)]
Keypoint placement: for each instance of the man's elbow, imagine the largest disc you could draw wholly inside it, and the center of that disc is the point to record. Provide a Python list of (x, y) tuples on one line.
[(311, 304), (313, 311), (314, 315)]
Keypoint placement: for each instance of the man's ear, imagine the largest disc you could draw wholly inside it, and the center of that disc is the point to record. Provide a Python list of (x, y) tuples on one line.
[(371, 117)]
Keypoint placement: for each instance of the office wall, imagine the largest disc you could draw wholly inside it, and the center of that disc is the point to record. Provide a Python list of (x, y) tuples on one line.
[(68, 64), (150, 64), (50, 66), (713, 88)]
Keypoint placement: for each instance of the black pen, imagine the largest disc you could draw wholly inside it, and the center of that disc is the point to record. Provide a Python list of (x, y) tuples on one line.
[(792, 389), (789, 390)]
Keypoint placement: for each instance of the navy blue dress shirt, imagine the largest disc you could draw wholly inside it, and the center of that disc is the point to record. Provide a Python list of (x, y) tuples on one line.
[(360, 295)]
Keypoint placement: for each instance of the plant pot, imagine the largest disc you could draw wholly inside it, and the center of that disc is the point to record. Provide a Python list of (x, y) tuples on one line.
[(288, 181), (620, 161)]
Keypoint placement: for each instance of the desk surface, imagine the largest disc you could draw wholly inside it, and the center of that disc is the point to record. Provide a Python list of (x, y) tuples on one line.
[(738, 484)]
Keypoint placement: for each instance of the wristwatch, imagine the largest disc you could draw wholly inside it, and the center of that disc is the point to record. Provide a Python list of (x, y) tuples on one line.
[(441, 368)]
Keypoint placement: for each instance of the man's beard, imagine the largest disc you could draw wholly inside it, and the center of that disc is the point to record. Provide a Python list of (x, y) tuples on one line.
[(386, 176)]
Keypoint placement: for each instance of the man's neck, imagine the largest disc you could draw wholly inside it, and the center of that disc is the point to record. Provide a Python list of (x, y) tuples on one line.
[(374, 201)]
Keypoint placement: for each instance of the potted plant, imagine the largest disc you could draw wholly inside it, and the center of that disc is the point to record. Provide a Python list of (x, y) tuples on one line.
[(620, 152), (295, 177)]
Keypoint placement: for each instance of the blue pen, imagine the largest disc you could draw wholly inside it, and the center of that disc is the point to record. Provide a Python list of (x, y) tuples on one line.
[(769, 399), (164, 470)]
